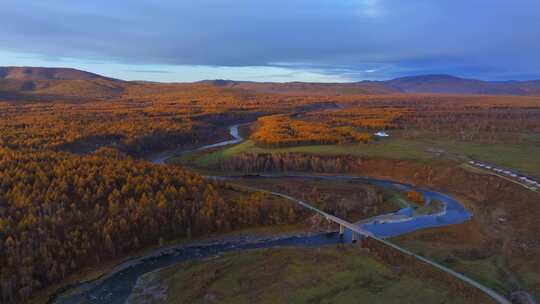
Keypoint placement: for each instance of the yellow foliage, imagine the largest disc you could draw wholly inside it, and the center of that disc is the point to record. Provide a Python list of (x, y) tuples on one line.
[(281, 130)]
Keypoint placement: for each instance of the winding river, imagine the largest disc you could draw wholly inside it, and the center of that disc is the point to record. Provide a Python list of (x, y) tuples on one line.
[(233, 131), (116, 286), (404, 220)]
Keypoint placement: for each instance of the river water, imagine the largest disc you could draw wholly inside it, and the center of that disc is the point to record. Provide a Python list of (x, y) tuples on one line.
[(116, 287), (452, 213), (233, 132), (403, 221)]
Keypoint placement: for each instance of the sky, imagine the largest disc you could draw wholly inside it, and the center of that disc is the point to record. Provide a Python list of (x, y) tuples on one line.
[(277, 40)]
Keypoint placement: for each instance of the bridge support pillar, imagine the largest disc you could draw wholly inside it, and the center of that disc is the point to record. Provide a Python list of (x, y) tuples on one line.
[(341, 230), (354, 236)]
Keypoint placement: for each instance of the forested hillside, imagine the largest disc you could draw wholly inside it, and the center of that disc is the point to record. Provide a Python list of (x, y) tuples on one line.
[(60, 212)]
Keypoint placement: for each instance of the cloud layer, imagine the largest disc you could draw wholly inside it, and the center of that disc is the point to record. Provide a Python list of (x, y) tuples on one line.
[(354, 39)]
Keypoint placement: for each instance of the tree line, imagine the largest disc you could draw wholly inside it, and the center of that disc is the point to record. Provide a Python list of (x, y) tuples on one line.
[(265, 162)]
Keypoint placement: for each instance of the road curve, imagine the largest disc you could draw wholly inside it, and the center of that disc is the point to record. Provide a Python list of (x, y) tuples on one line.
[(233, 130)]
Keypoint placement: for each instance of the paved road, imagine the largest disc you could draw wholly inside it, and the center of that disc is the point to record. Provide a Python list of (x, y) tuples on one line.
[(495, 296), (521, 179)]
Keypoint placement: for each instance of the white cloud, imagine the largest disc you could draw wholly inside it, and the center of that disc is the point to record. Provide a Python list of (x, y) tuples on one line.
[(371, 8), (315, 36)]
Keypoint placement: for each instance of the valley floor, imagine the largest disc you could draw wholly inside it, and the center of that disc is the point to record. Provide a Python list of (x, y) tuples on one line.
[(343, 274), (517, 156)]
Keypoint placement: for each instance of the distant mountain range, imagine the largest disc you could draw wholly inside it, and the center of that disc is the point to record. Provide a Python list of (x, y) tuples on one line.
[(447, 84), (429, 84), (72, 82), (306, 87)]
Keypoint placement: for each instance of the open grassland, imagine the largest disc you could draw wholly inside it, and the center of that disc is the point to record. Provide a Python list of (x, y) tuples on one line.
[(467, 250), (325, 275), (517, 156)]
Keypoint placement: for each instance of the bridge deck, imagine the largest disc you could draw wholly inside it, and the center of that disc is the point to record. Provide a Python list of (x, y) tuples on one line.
[(328, 216)]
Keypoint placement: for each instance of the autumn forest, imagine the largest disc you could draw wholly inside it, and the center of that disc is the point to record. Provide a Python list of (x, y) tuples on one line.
[(76, 186)]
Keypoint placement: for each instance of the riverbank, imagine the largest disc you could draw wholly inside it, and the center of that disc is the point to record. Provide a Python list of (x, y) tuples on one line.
[(114, 288), (234, 135), (336, 274), (97, 273), (391, 224)]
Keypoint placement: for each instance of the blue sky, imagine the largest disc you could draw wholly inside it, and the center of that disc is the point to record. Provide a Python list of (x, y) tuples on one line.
[(289, 40)]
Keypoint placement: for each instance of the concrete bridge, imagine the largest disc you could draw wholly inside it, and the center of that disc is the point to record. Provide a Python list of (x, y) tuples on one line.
[(355, 229)]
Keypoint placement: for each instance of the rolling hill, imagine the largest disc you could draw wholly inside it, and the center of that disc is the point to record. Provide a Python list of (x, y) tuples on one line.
[(446, 84), (43, 74), (46, 83), (307, 88), (38, 82), (429, 84)]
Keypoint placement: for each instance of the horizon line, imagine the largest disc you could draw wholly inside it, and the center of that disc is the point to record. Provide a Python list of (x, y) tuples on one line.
[(104, 75)]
